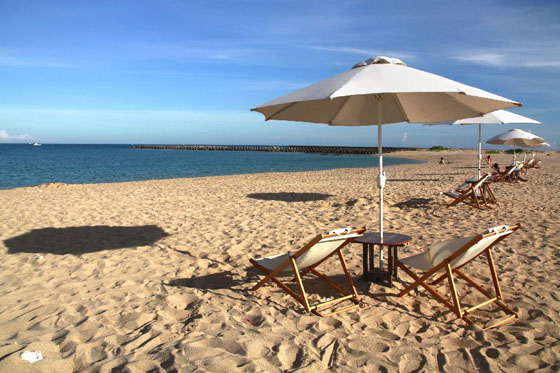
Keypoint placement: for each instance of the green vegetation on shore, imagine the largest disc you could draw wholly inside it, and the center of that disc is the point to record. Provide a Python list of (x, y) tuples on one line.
[(438, 148)]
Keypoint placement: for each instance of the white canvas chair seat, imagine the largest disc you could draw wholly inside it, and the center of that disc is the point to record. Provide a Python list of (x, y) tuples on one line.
[(315, 254), (452, 193), (305, 260), (447, 258)]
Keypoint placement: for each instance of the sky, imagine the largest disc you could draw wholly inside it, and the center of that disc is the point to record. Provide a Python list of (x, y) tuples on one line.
[(188, 72)]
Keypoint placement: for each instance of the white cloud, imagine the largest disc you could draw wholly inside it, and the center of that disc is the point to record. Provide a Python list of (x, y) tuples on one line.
[(404, 137), (5, 137), (543, 55), (110, 118), (492, 59), (12, 61)]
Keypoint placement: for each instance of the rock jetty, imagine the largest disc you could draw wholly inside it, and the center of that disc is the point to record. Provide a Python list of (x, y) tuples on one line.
[(279, 149)]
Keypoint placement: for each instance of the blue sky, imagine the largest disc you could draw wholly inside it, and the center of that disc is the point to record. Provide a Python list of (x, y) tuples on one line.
[(171, 71)]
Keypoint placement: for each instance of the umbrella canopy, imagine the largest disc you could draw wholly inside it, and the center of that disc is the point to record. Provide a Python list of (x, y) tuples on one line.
[(406, 94), (543, 145), (498, 117), (379, 91), (495, 117), (517, 137)]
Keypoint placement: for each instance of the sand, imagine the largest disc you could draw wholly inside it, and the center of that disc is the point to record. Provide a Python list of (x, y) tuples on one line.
[(155, 275)]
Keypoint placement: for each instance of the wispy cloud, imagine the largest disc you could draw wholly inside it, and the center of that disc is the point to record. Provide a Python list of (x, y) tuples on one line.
[(5, 137), (125, 117), (524, 54), (30, 62), (209, 51), (404, 137), (492, 59), (273, 85)]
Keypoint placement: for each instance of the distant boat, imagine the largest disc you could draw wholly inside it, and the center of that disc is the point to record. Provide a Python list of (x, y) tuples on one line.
[(36, 144)]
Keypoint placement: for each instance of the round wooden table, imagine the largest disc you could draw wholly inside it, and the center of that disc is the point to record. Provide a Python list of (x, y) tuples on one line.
[(390, 239)]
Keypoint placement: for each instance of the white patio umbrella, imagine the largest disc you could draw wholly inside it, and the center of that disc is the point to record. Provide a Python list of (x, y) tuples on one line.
[(516, 137), (379, 91), (495, 117), (543, 145)]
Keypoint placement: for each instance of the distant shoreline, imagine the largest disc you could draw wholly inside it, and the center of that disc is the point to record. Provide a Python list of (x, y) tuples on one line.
[(280, 149)]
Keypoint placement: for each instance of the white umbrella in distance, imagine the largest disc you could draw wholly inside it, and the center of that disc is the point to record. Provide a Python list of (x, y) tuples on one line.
[(495, 117), (543, 145), (516, 137), (379, 91)]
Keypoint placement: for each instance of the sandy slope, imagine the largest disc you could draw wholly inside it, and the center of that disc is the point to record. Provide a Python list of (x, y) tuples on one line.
[(155, 275)]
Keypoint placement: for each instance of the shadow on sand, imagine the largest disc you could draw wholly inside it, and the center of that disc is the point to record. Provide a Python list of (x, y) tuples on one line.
[(418, 203), (417, 180), (290, 196), (81, 240), (213, 281)]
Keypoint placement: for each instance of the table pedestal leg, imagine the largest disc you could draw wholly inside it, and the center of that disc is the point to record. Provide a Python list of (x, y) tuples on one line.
[(371, 258), (396, 257), (365, 260), (390, 265)]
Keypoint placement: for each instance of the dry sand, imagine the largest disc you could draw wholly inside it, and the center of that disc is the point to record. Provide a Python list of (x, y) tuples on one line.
[(155, 275)]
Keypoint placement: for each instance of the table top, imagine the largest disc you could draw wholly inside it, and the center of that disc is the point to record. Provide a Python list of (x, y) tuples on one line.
[(389, 238)]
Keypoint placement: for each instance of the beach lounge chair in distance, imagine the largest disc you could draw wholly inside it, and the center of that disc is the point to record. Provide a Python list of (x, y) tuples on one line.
[(473, 195), (305, 262), (529, 163), (515, 176), (447, 259), (502, 176)]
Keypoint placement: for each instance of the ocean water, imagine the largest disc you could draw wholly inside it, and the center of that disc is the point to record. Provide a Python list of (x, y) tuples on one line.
[(24, 165)]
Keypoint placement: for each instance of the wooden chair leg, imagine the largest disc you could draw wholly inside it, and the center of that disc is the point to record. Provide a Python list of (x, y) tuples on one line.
[(453, 290), (494, 274), (300, 285), (420, 281), (347, 274)]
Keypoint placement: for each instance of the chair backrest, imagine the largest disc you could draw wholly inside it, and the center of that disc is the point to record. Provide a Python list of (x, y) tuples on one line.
[(510, 171), (479, 183), (494, 177), (444, 250), (326, 246)]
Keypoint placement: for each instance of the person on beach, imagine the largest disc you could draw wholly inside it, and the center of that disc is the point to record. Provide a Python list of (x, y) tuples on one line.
[(441, 161), (488, 160), (496, 167)]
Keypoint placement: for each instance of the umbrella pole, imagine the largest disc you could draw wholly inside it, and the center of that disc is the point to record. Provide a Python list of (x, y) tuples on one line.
[(479, 147), (381, 178)]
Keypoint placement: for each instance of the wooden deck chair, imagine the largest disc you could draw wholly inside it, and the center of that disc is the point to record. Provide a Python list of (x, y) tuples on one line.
[(517, 171), (473, 195), (305, 261), (500, 176), (529, 163), (447, 259), (489, 195)]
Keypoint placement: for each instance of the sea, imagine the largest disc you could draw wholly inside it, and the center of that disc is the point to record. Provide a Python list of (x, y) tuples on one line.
[(24, 165)]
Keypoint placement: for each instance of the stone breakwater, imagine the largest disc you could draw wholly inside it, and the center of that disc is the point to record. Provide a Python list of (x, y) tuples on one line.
[(279, 149)]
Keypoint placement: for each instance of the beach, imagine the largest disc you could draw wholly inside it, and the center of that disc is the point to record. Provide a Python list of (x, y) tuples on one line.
[(155, 275)]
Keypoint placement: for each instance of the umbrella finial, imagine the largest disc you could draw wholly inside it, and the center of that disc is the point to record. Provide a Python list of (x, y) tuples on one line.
[(380, 60)]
